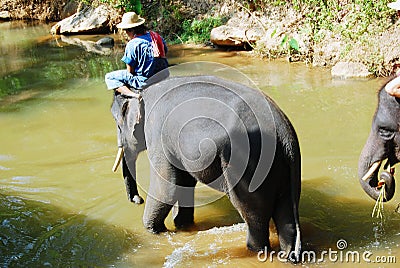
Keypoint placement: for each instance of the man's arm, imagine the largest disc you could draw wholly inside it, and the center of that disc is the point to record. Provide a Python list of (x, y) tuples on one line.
[(130, 69)]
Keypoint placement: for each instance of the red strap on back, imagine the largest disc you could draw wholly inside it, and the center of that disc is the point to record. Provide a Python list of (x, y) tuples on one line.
[(158, 45)]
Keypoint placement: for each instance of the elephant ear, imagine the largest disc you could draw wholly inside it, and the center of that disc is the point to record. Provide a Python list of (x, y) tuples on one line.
[(119, 108), (132, 114)]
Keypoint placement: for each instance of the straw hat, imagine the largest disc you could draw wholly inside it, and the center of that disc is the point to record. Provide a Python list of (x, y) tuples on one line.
[(395, 5), (130, 20)]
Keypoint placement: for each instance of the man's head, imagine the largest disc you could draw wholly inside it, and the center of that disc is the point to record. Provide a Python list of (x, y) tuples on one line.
[(141, 29)]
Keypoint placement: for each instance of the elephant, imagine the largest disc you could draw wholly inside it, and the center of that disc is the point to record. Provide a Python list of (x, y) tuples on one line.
[(226, 135), (383, 144)]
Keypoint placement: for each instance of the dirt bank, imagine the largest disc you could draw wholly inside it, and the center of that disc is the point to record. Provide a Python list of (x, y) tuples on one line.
[(49, 10)]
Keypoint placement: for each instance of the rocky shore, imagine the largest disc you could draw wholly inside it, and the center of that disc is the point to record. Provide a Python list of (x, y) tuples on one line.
[(274, 31)]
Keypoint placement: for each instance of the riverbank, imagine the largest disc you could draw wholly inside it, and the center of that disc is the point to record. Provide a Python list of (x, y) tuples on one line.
[(317, 32)]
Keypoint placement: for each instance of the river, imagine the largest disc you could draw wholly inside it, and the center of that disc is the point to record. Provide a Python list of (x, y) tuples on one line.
[(61, 205)]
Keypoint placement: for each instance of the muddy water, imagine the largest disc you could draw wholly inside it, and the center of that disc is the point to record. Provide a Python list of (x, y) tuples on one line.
[(62, 206)]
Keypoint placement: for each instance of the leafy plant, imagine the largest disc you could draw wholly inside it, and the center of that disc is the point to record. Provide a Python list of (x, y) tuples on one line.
[(198, 31), (130, 5), (290, 43), (126, 5)]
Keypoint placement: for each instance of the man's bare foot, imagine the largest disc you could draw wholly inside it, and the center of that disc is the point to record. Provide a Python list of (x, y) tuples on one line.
[(127, 92)]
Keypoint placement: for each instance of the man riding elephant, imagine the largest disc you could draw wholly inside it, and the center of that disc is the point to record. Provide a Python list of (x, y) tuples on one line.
[(145, 56)]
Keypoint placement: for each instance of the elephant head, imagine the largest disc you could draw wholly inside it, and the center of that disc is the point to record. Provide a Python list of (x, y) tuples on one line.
[(128, 114), (382, 147)]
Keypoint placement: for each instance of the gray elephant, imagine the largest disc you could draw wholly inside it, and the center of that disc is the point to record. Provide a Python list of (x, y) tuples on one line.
[(226, 135), (383, 144)]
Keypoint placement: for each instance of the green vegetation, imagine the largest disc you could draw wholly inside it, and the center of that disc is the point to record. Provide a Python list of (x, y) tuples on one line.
[(198, 31), (350, 18), (126, 5), (178, 24), (355, 23)]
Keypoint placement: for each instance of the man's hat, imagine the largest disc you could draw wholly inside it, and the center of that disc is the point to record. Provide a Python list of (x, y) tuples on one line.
[(395, 5), (130, 20)]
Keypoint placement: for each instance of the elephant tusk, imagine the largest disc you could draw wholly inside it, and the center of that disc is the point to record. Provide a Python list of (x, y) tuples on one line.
[(118, 159), (371, 170)]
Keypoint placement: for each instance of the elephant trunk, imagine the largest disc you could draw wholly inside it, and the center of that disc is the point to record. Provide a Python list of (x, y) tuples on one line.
[(369, 163)]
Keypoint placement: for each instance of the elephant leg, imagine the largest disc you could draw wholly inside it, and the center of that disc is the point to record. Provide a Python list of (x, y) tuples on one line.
[(287, 227), (256, 217), (185, 217), (185, 196), (154, 215), (258, 228), (130, 183), (255, 208), (160, 198)]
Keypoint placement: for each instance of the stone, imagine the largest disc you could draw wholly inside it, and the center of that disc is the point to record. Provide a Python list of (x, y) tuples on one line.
[(106, 42), (89, 20), (69, 9), (5, 15), (233, 36), (345, 70)]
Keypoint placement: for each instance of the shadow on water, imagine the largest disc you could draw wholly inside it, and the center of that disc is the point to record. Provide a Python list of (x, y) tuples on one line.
[(36, 234), (220, 213), (325, 219)]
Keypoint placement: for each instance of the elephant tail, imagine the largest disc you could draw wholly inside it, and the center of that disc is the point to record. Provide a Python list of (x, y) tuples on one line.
[(292, 152), (295, 183), (291, 149)]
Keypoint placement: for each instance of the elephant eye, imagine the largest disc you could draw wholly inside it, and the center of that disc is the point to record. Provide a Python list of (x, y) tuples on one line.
[(386, 134)]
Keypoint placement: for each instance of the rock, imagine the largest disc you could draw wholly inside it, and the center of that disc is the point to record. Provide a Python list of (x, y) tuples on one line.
[(106, 42), (327, 52), (69, 9), (234, 36), (345, 70), (90, 46), (89, 20), (5, 15)]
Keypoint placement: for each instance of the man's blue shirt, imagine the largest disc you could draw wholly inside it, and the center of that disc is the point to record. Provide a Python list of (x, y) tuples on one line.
[(139, 55)]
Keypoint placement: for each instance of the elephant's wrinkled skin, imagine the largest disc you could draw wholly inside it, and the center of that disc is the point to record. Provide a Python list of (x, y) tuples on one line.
[(382, 144), (226, 135)]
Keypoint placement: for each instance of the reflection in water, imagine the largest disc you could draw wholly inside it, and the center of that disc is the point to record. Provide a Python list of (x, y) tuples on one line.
[(61, 204)]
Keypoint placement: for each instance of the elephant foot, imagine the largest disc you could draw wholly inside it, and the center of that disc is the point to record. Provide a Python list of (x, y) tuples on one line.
[(183, 222), (258, 239), (153, 227), (183, 217), (136, 199), (156, 229), (257, 248)]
